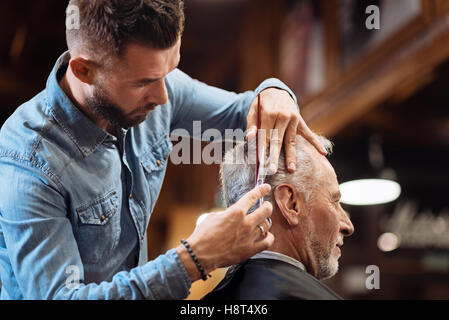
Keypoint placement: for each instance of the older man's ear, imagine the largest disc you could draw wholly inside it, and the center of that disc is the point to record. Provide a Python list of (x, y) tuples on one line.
[(289, 202)]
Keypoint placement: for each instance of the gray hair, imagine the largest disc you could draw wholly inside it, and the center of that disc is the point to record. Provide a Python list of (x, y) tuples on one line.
[(238, 178)]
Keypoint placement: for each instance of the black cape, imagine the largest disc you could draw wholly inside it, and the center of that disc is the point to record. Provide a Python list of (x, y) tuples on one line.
[(269, 279)]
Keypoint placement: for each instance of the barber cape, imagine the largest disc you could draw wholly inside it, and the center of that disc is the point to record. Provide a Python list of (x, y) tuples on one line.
[(269, 279)]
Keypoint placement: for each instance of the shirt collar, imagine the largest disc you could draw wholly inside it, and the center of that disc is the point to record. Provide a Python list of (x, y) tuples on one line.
[(279, 256), (82, 131)]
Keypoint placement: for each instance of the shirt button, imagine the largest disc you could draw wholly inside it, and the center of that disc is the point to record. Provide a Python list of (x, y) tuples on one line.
[(102, 218), (158, 162), (143, 237)]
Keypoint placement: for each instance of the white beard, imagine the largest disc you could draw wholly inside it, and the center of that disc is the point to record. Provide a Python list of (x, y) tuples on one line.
[(327, 262)]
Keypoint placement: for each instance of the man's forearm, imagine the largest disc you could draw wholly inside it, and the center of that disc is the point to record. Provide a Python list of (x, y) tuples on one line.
[(186, 259), (218, 109)]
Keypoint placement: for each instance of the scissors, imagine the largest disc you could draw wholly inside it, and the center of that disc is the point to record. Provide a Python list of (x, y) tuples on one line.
[(260, 158)]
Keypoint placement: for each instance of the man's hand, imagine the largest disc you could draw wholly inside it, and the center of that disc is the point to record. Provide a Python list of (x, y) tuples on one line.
[(280, 112), (231, 236)]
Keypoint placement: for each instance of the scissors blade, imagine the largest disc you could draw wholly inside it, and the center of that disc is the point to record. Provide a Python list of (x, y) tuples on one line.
[(261, 172), (260, 166)]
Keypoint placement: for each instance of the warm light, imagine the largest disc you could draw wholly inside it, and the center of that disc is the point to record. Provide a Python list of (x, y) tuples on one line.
[(369, 192), (388, 242), (201, 218)]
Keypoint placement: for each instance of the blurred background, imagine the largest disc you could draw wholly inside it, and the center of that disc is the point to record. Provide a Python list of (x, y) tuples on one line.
[(381, 95)]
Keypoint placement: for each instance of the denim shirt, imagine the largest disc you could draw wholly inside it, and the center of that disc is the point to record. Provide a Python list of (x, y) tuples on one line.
[(75, 201)]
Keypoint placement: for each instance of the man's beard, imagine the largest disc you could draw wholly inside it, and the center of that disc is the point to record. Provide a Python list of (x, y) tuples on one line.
[(327, 263), (102, 106)]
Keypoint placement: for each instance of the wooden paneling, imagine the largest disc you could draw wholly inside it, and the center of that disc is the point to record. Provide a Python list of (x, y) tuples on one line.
[(441, 7), (388, 47), (329, 10), (390, 70), (259, 43)]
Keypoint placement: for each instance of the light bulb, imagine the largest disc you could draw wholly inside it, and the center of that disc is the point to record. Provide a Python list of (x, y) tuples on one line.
[(369, 192)]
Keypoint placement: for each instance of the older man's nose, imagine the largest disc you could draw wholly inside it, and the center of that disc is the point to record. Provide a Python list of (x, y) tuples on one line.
[(347, 228)]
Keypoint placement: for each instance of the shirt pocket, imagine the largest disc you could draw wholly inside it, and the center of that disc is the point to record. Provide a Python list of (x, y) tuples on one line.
[(154, 165), (99, 227)]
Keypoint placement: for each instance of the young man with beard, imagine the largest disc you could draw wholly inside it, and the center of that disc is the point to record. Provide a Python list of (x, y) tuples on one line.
[(83, 162), (309, 225)]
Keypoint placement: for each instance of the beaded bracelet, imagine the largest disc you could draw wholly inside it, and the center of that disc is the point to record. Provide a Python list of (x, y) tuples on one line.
[(195, 259)]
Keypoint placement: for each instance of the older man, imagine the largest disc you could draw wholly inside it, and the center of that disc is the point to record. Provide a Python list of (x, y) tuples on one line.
[(308, 224)]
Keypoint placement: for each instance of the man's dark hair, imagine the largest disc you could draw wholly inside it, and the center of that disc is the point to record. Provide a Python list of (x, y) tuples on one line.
[(106, 27)]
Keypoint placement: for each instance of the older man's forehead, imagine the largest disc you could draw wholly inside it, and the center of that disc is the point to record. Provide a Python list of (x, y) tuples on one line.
[(326, 164), (329, 176)]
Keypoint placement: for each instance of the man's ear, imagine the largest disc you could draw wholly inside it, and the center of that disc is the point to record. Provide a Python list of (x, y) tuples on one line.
[(288, 201), (82, 69)]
